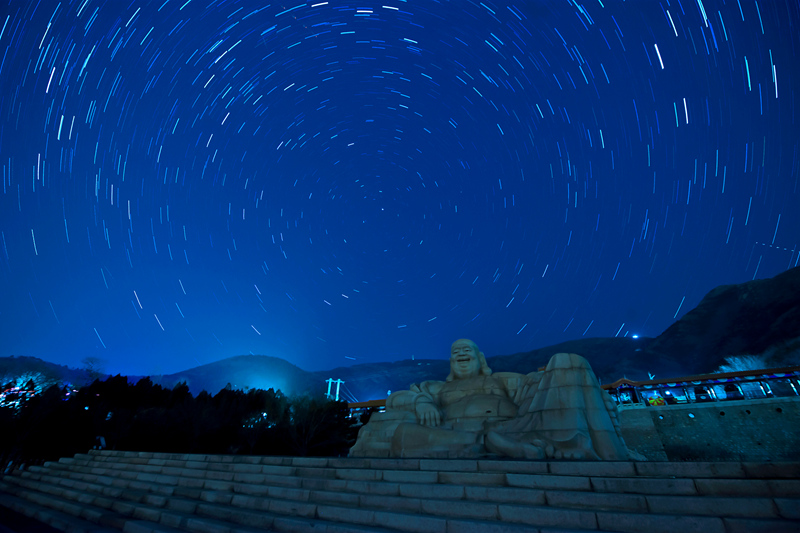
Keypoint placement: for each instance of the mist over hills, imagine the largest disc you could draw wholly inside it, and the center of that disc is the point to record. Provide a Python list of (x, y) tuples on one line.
[(756, 317), (247, 372)]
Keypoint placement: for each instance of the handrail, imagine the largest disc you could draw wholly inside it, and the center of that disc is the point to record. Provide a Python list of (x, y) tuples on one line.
[(704, 377), (630, 383), (367, 404)]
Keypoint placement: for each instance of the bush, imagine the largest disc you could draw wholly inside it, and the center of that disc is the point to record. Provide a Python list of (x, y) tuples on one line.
[(148, 417)]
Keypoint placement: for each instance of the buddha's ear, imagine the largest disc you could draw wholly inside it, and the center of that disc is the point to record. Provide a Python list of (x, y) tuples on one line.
[(485, 370)]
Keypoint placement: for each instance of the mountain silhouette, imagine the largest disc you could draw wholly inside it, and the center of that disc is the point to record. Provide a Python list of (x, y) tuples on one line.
[(247, 372), (755, 317)]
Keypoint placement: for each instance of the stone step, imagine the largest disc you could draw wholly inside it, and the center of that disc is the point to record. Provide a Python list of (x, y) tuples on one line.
[(368, 507), (223, 494), (733, 470), (408, 497), (787, 470), (329, 505), (320, 490), (205, 517), (60, 514), (188, 477), (429, 516), (239, 484), (253, 473), (135, 512), (53, 518), (654, 523), (13, 522)]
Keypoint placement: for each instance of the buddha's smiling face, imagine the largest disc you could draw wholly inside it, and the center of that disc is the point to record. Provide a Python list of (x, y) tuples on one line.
[(464, 360)]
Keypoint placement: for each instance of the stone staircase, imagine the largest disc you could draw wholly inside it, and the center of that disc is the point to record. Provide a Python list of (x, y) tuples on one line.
[(139, 492)]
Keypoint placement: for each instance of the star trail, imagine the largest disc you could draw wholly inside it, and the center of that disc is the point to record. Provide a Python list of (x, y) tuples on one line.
[(337, 183)]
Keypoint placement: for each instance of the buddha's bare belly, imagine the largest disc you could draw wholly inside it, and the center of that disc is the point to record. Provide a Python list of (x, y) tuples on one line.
[(469, 413)]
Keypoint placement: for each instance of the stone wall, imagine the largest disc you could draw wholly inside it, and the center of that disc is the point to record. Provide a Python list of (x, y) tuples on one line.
[(745, 430)]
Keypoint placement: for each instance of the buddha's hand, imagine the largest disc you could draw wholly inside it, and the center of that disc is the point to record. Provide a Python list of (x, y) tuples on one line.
[(428, 415)]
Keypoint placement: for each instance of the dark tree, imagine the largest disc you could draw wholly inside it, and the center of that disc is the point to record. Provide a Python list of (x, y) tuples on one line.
[(148, 417)]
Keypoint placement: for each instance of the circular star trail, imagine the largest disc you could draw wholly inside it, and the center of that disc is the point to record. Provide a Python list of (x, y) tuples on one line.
[(336, 183)]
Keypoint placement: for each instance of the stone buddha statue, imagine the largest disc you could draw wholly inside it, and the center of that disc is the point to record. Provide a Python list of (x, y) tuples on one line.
[(559, 413)]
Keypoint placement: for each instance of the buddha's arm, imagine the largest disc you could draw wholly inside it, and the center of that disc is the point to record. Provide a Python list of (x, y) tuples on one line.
[(402, 400), (420, 400)]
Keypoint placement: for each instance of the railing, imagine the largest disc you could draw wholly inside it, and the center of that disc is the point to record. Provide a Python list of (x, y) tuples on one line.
[(747, 385)]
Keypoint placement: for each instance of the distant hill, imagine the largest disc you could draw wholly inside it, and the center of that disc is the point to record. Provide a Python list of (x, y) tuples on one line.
[(749, 318), (610, 358), (246, 371), (242, 372), (756, 317), (372, 381), (15, 366)]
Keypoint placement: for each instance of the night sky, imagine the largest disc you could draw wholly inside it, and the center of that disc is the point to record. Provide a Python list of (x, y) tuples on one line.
[(337, 183)]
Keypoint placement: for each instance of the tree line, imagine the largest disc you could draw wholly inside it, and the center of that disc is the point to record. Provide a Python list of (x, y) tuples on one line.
[(117, 415)]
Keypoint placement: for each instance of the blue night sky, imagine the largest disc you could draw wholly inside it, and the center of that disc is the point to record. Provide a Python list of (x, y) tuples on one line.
[(337, 183)]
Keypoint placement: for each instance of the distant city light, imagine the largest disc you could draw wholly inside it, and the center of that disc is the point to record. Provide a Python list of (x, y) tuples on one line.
[(634, 336)]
